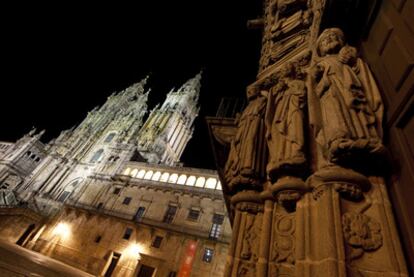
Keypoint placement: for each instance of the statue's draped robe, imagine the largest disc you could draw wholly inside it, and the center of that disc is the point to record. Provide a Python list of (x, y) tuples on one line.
[(246, 161), (349, 108), (284, 121)]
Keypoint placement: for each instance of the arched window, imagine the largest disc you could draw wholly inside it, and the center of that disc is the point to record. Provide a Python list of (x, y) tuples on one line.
[(141, 174), (182, 179), (200, 182), (156, 176), (211, 183), (127, 171), (148, 175), (191, 181), (97, 156), (134, 172), (173, 178), (109, 137), (164, 177), (219, 186)]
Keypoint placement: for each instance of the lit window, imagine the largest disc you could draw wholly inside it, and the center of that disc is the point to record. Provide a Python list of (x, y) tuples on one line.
[(169, 214), (127, 234), (219, 186), (208, 255), (211, 183), (134, 173), (216, 228), (173, 178), (156, 176), (141, 174), (109, 137), (200, 182), (156, 243), (182, 179), (191, 181), (164, 177), (148, 175), (127, 171)]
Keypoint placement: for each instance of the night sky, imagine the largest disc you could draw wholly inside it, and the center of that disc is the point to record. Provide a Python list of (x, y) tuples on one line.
[(58, 62)]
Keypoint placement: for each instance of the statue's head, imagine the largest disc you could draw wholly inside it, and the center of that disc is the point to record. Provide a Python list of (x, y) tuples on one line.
[(330, 41)]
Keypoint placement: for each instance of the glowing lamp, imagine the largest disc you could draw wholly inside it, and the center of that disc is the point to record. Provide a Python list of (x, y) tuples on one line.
[(133, 251), (62, 230)]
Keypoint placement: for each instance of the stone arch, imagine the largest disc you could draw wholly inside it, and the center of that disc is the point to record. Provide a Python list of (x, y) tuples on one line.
[(191, 180), (164, 177), (211, 183), (148, 175), (200, 182), (134, 172), (181, 180), (141, 174), (173, 178), (156, 176)]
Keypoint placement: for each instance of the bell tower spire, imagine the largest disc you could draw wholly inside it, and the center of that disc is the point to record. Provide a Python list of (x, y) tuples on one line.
[(168, 129)]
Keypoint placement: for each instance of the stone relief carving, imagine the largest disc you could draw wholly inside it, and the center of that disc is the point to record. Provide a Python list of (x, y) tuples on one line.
[(285, 24), (362, 233), (284, 122), (284, 239), (345, 107), (250, 245), (246, 162)]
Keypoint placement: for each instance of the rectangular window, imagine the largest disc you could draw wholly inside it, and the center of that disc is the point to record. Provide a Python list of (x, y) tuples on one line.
[(98, 239), (193, 215), (156, 243), (216, 228), (126, 200), (117, 190), (172, 274), (127, 233), (100, 205), (139, 214), (208, 255), (169, 214)]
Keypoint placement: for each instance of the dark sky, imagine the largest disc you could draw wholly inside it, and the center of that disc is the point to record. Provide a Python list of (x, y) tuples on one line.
[(58, 62)]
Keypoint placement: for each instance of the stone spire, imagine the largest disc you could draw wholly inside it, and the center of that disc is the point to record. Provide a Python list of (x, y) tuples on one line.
[(168, 129)]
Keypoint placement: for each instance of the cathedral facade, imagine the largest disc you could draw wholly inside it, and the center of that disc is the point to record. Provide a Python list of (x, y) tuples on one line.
[(110, 197)]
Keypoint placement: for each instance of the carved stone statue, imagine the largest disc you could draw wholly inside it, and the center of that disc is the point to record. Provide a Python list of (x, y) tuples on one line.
[(346, 107), (246, 161), (284, 123)]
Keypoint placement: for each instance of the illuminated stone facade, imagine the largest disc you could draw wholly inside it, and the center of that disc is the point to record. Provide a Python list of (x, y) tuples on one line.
[(304, 167), (103, 197)]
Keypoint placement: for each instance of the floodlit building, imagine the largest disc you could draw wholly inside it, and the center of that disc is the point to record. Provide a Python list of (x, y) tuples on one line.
[(110, 196)]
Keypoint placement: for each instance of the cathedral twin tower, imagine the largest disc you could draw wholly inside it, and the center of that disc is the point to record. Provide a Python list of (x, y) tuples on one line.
[(167, 130)]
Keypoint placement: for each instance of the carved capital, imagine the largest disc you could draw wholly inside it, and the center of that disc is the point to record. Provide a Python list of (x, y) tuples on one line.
[(249, 201), (349, 183), (288, 190)]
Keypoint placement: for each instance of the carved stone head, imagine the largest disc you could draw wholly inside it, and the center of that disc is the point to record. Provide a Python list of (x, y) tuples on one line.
[(330, 41)]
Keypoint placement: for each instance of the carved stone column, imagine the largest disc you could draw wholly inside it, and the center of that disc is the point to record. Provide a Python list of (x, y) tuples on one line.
[(304, 173), (244, 253)]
